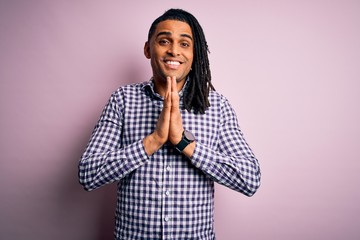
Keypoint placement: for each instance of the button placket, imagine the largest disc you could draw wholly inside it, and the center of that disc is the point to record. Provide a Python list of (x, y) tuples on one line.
[(167, 194)]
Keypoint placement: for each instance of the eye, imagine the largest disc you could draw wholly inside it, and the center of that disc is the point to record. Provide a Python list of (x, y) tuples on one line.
[(185, 44), (163, 42)]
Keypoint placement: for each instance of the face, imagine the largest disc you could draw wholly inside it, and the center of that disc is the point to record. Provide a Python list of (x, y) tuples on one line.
[(171, 51)]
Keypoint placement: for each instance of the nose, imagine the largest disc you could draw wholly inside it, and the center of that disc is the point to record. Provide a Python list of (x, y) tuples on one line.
[(174, 50)]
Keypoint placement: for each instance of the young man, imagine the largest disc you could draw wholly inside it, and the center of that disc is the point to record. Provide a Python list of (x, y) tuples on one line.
[(166, 141)]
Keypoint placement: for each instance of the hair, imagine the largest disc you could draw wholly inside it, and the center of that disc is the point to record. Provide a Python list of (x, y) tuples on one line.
[(197, 89)]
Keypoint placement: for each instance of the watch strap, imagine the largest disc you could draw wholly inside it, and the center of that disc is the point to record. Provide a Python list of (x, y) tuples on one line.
[(184, 141), (182, 145)]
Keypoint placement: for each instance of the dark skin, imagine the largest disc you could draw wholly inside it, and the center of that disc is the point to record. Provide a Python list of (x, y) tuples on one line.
[(171, 52)]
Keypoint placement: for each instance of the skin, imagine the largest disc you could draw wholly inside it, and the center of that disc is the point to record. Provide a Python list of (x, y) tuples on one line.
[(171, 52)]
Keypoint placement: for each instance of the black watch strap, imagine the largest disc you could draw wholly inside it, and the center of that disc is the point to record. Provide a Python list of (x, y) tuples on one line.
[(181, 145), (187, 138)]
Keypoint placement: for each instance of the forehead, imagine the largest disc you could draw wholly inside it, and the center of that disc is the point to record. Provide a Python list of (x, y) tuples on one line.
[(173, 27)]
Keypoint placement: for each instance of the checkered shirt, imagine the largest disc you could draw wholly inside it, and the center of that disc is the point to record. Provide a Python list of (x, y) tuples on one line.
[(166, 195)]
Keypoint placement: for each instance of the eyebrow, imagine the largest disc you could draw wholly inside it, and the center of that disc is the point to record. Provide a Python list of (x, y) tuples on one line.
[(169, 33)]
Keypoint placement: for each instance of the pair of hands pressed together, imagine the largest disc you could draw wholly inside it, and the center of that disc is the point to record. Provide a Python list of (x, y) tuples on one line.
[(169, 126)]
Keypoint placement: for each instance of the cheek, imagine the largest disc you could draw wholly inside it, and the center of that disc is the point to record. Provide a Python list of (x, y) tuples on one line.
[(190, 57), (154, 63), (191, 61)]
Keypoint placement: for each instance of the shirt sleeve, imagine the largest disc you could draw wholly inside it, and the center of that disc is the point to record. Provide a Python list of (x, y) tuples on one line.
[(105, 160), (232, 163)]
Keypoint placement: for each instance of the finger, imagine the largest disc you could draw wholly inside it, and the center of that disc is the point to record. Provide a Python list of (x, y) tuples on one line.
[(176, 129), (162, 126), (173, 84), (168, 85), (174, 93), (167, 97)]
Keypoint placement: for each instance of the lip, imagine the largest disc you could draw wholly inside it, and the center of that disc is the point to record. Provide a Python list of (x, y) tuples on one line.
[(172, 63), (172, 60)]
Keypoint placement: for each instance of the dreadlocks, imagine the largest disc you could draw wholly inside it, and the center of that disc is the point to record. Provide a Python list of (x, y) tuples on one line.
[(198, 88)]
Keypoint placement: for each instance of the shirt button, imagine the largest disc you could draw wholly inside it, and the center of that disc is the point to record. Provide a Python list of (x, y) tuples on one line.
[(168, 168), (167, 219), (167, 193)]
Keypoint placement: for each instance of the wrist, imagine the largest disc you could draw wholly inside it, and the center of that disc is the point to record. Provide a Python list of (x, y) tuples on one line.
[(189, 150), (152, 143), (187, 138), (177, 140)]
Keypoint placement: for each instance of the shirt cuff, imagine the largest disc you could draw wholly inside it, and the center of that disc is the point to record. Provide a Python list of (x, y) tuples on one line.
[(202, 156), (133, 154)]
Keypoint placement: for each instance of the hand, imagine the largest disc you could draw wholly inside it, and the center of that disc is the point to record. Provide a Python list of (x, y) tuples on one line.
[(169, 126), (176, 128), (161, 132)]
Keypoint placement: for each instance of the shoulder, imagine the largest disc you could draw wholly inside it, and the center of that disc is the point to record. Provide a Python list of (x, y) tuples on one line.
[(130, 90), (126, 94), (216, 98), (132, 87), (221, 104)]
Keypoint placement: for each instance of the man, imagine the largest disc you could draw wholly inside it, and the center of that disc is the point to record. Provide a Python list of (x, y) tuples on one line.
[(166, 141)]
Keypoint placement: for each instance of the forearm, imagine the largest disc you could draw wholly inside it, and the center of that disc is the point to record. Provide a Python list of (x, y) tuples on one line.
[(189, 150), (100, 168), (152, 144), (238, 172)]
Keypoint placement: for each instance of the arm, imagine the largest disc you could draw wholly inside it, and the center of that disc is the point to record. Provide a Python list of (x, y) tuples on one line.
[(105, 160), (233, 163)]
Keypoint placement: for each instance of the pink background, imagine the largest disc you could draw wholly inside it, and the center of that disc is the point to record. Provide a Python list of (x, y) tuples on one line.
[(291, 69)]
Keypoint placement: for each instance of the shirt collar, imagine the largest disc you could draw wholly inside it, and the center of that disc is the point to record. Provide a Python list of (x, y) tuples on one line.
[(148, 87)]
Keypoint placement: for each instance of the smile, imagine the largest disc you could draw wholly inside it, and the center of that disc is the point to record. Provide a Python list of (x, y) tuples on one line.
[(174, 63)]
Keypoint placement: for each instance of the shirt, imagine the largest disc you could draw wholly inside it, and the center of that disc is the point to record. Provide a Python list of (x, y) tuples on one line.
[(166, 195)]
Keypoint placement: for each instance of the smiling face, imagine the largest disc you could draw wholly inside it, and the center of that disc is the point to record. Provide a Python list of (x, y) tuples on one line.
[(171, 51)]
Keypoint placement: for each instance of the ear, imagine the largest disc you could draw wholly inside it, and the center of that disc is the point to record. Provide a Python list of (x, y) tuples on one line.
[(147, 50)]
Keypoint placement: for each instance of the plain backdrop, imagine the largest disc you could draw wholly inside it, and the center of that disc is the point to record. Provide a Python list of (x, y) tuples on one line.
[(291, 70)]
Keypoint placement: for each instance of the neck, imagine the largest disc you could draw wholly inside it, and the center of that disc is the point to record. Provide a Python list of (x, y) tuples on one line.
[(160, 86)]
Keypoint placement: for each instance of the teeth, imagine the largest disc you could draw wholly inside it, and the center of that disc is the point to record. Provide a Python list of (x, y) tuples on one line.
[(172, 63)]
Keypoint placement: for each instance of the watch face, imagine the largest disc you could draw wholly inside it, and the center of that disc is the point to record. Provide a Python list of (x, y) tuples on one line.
[(189, 136)]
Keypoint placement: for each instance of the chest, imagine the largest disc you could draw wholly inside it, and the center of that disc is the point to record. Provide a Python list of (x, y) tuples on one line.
[(140, 117)]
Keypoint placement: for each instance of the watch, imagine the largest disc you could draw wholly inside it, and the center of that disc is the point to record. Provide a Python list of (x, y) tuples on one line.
[(187, 138)]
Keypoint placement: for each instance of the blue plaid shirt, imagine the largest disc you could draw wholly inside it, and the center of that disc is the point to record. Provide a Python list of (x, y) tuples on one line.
[(166, 195)]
